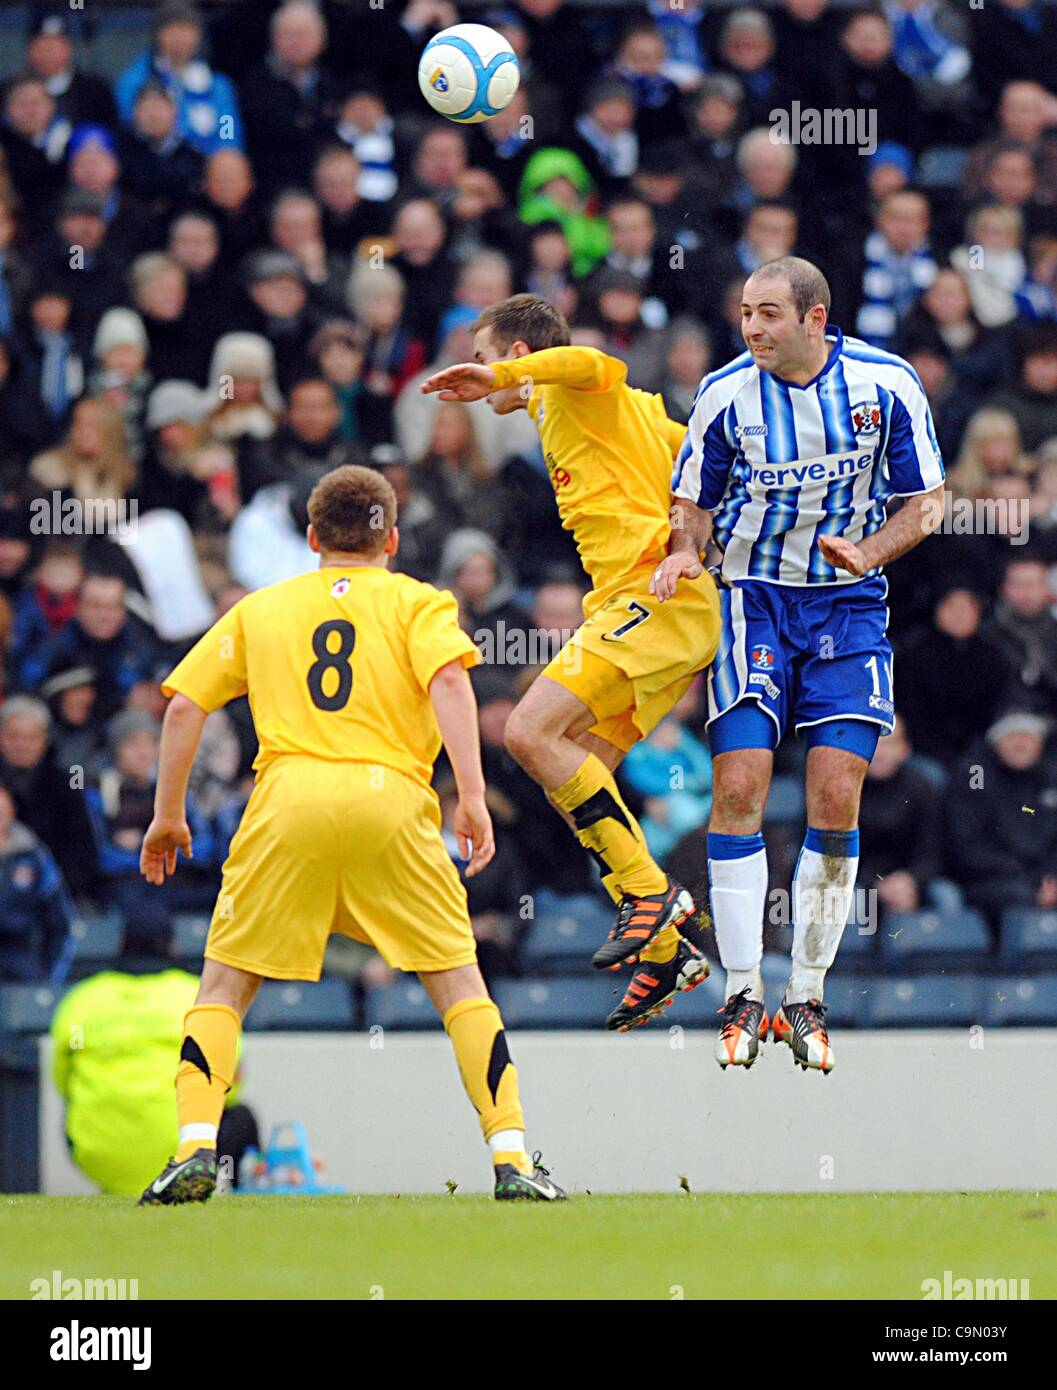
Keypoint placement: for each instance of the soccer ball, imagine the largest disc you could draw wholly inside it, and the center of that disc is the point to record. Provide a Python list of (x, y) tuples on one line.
[(468, 73)]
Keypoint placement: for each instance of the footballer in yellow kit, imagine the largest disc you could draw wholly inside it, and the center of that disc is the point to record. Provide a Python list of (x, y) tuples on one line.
[(355, 677), (609, 450), (342, 830)]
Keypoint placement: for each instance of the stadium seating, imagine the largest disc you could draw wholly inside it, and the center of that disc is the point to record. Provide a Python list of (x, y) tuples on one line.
[(1021, 1000), (925, 1001), (846, 997), (27, 1008), (401, 1005), (565, 931), (697, 1008), (927, 940), (284, 1004), (573, 1002), (189, 937), (97, 939), (1028, 938)]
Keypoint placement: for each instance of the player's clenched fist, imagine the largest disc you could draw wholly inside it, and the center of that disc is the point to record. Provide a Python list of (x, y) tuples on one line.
[(672, 568), (157, 856), (473, 831), (466, 381)]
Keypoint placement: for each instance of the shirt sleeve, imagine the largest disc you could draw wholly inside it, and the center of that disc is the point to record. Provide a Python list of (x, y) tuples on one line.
[(913, 452), (434, 637), (577, 368), (703, 465), (214, 670)]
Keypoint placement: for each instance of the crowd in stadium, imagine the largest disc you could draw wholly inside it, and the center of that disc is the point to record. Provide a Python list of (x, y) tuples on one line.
[(228, 267)]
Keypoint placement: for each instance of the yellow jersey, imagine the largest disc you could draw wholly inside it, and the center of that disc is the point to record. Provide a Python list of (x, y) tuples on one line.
[(337, 665), (609, 450)]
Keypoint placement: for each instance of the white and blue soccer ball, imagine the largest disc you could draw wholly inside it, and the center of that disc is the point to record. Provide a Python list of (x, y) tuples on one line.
[(468, 73)]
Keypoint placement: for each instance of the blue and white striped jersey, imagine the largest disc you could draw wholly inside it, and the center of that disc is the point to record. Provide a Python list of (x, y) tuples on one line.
[(779, 465)]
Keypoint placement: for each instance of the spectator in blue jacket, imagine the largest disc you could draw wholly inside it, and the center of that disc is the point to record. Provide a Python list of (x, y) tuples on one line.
[(672, 772), (209, 117), (35, 910), (104, 635), (120, 808)]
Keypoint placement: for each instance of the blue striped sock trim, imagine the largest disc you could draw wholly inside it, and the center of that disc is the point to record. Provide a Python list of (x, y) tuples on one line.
[(842, 843), (734, 846)]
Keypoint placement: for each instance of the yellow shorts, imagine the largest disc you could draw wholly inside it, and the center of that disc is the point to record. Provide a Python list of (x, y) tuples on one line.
[(634, 659), (330, 847)]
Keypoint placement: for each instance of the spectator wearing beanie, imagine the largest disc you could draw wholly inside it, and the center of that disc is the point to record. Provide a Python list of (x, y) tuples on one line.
[(121, 806), (179, 463), (120, 374), (1000, 818), (36, 915), (96, 278), (93, 167), (158, 165), (954, 666), (81, 97)]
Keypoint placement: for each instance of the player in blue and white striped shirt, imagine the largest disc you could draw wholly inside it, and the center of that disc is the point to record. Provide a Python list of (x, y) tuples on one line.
[(792, 453)]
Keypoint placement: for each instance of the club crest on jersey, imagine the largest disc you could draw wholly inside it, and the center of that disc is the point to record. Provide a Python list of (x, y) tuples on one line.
[(763, 656), (339, 588), (438, 80), (866, 419)]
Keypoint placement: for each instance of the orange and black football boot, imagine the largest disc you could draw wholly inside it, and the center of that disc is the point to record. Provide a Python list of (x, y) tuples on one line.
[(655, 984), (743, 1027), (640, 919), (803, 1027)]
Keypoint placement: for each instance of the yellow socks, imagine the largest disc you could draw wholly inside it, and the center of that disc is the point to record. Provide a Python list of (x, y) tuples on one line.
[(205, 1074), (490, 1077), (662, 947), (605, 826)]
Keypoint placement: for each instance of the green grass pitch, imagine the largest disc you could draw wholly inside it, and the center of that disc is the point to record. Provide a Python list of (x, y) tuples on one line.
[(643, 1246)]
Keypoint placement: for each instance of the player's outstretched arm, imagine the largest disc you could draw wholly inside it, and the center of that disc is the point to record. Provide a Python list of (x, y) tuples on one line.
[(451, 695), (466, 381), (917, 518), (691, 528), (169, 831)]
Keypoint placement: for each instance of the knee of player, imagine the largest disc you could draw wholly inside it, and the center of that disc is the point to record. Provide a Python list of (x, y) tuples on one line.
[(521, 738), (739, 797), (835, 805)]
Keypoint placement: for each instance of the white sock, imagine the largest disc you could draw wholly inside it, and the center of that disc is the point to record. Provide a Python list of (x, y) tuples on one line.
[(823, 892), (737, 876), (508, 1141)]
